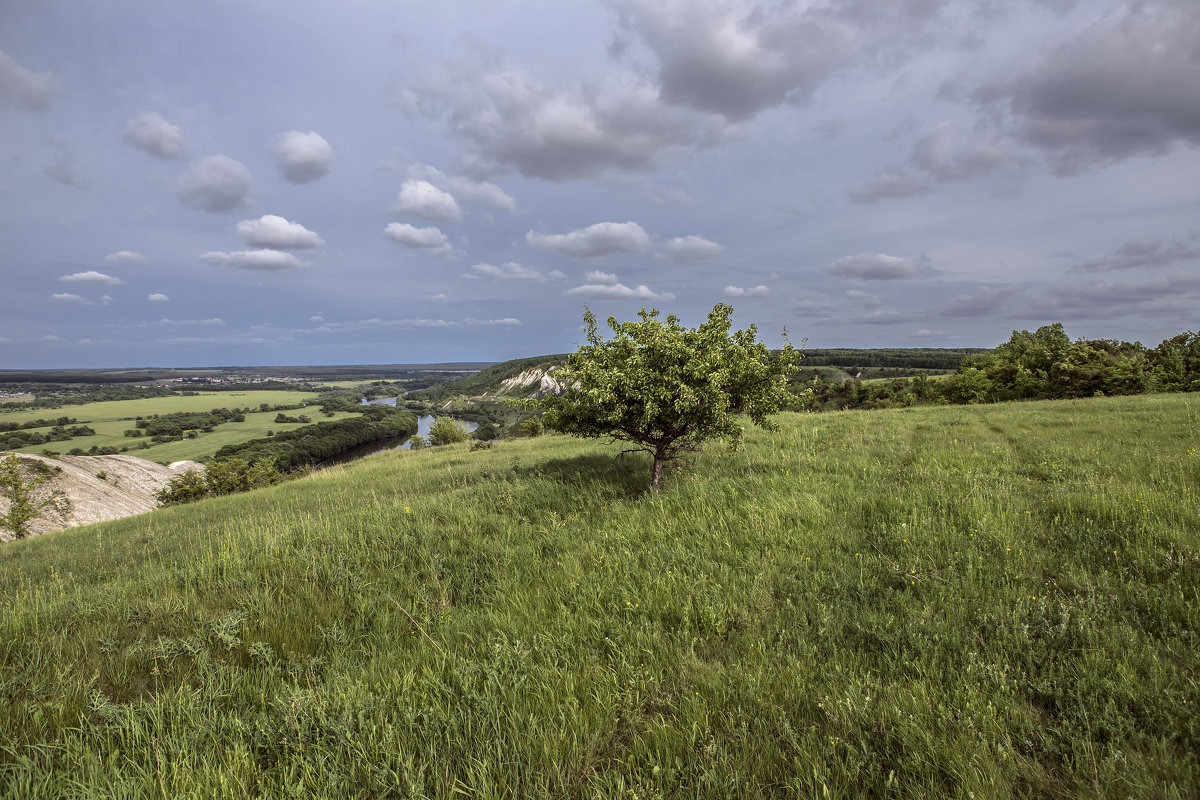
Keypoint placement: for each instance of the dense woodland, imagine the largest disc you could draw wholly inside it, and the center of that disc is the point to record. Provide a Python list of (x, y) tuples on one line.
[(315, 443), (1042, 365)]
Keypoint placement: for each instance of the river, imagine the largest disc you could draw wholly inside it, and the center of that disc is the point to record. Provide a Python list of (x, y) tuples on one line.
[(423, 424)]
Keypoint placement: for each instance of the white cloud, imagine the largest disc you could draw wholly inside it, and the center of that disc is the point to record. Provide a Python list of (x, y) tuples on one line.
[(740, 291), (691, 249), (601, 239), (505, 322), (278, 233), (216, 183), (316, 318), (388, 324), (212, 321), (438, 296), (24, 89), (158, 297), (606, 285), (64, 297), (150, 132), (91, 276), (303, 157), (473, 192), (511, 271), (430, 239), (483, 193), (126, 257), (423, 199), (874, 267), (264, 260)]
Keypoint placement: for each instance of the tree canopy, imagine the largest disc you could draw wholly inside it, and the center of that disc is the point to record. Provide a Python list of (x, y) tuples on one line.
[(667, 389)]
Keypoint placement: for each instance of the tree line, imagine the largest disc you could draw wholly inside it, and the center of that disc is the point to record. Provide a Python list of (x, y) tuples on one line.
[(315, 443), (1043, 365)]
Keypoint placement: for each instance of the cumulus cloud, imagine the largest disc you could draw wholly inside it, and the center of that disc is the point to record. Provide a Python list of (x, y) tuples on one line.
[(65, 297), (507, 119), (91, 276), (264, 260), (512, 271), (601, 239), (1127, 85), (472, 192), (215, 183), (126, 257), (277, 233), (606, 285), (21, 88), (691, 249), (423, 199), (741, 291), (482, 193), (941, 155), (149, 131), (1143, 253), (874, 267), (158, 297), (303, 157), (736, 59), (430, 239)]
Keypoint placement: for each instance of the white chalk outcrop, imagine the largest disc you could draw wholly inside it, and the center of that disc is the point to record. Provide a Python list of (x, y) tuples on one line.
[(81, 496)]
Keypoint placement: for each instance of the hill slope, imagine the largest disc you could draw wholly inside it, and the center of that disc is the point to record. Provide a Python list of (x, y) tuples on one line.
[(88, 489), (996, 601)]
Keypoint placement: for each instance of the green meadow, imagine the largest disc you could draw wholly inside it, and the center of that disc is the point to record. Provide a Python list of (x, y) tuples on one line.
[(972, 601), (110, 419)]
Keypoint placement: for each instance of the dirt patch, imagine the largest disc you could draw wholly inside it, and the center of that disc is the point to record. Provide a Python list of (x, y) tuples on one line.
[(87, 489)]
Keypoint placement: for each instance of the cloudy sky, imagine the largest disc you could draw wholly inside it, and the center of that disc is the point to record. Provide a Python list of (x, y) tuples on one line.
[(379, 181)]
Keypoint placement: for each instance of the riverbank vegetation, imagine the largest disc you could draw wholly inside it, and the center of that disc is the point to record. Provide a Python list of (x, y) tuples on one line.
[(984, 601), (311, 444)]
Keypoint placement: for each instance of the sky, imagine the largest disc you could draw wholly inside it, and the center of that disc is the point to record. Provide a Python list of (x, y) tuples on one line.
[(273, 182)]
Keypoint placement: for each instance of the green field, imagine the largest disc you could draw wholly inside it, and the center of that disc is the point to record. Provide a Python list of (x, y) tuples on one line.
[(111, 419), (973, 601)]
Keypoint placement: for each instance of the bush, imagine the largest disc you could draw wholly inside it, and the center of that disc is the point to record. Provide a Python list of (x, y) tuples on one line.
[(447, 430), (533, 427), (229, 476)]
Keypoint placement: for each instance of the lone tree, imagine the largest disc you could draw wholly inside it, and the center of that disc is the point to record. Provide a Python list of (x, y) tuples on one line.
[(667, 389), (23, 506)]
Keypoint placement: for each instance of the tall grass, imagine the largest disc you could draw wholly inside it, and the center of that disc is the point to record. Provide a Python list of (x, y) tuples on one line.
[(988, 601)]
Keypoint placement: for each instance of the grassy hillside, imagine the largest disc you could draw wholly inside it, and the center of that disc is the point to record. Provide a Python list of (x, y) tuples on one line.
[(995, 601), (485, 381)]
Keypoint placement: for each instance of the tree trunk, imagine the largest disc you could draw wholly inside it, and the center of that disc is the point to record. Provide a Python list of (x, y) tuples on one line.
[(659, 460)]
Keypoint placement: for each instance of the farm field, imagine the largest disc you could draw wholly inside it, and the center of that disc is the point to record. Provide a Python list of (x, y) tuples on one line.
[(969, 601), (111, 419)]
